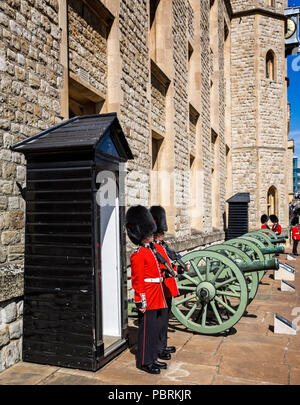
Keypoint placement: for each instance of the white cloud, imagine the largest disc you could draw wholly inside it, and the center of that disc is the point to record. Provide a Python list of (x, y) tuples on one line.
[(293, 134)]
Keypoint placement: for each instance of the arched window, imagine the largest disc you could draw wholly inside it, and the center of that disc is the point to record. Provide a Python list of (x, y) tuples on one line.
[(272, 201), (270, 65)]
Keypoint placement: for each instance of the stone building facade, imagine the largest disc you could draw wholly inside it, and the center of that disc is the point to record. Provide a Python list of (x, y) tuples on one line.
[(200, 91), (259, 152)]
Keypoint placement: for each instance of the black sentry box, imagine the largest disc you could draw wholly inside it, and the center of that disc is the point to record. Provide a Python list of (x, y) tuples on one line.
[(238, 215), (75, 295)]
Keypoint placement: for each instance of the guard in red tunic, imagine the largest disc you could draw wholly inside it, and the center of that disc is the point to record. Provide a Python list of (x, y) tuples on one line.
[(276, 227), (169, 282), (264, 220), (295, 234), (146, 281)]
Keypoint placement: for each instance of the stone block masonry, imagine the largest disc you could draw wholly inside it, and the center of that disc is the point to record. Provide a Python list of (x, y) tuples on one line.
[(181, 116), (136, 104), (11, 329), (87, 45), (30, 83), (259, 110)]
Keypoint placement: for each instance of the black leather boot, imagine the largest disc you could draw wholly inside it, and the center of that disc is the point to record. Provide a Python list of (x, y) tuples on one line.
[(164, 356), (160, 364), (170, 349), (150, 368)]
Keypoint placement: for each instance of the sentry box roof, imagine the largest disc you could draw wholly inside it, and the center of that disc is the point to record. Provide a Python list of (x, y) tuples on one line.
[(101, 132), (240, 198)]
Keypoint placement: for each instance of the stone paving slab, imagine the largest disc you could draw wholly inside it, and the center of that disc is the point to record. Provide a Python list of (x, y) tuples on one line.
[(254, 369), (251, 354), (26, 374), (69, 379), (295, 376), (221, 380)]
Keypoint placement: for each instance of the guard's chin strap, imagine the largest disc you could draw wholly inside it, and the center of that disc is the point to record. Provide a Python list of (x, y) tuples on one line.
[(146, 245)]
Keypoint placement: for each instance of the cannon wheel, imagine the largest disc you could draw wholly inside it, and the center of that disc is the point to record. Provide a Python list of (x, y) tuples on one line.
[(259, 244), (251, 247), (268, 232), (262, 237), (207, 309), (238, 255)]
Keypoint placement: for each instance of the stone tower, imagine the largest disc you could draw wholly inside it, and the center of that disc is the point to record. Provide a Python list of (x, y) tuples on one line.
[(259, 148)]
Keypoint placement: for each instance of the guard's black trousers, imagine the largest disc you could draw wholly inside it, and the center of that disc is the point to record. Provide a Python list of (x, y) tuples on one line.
[(295, 245), (151, 324), (164, 332)]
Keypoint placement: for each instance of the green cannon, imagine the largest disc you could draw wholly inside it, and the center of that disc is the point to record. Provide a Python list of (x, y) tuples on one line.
[(256, 262), (258, 246), (268, 251), (275, 239), (272, 234), (223, 279), (214, 293)]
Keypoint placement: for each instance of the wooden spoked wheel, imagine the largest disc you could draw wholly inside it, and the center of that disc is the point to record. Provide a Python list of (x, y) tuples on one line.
[(238, 256), (213, 294)]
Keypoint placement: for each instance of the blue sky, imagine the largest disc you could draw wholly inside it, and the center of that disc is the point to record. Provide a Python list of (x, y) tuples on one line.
[(293, 66)]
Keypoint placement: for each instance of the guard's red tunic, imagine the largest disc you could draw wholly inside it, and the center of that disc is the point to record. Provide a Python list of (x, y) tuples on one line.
[(264, 226), (169, 284), (277, 229), (144, 265), (296, 232)]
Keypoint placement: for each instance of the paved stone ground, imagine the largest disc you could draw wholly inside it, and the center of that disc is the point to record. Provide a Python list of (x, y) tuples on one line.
[(251, 355)]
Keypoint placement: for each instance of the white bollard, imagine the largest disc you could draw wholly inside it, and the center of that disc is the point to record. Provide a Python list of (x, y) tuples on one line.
[(285, 272), (285, 286), (283, 326)]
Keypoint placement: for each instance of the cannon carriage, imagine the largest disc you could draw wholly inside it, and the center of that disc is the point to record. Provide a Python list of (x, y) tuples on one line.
[(223, 280)]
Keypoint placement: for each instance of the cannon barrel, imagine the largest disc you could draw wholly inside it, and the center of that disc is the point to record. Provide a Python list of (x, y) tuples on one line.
[(268, 251), (272, 264), (279, 240), (247, 267)]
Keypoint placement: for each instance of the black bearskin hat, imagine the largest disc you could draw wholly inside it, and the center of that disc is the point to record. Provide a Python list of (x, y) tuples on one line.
[(139, 224), (159, 216), (295, 221), (264, 218), (274, 219)]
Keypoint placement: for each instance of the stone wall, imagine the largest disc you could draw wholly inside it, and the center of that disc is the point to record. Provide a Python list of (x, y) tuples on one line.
[(87, 45), (222, 145), (30, 85), (135, 105), (205, 114), (181, 114), (242, 5), (11, 329), (31, 79), (271, 114), (190, 12), (244, 161), (259, 113)]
